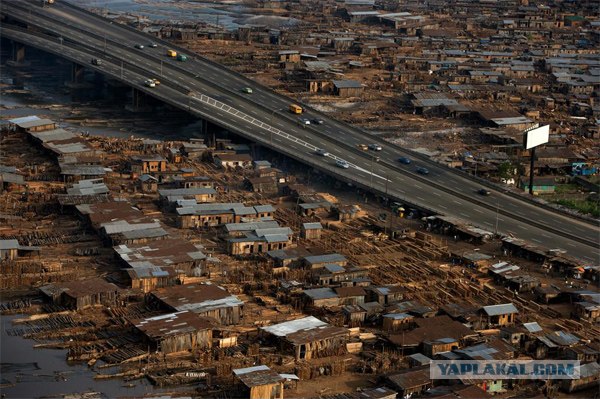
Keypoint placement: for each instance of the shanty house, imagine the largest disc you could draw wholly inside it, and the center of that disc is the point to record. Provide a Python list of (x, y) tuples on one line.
[(411, 382), (397, 321), (589, 377), (347, 88), (11, 249), (228, 161), (353, 295), (322, 297), (176, 332), (309, 338), (147, 164), (147, 278), (203, 299), (311, 231), (319, 261), (499, 315), (260, 241), (260, 382), (354, 315), (386, 294), (82, 293)]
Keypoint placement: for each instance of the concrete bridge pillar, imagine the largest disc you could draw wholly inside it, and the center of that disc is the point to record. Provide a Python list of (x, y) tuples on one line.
[(77, 73), (18, 55), (18, 52), (139, 101)]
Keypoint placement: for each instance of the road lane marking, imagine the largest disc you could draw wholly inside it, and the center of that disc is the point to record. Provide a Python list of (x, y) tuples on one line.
[(477, 210)]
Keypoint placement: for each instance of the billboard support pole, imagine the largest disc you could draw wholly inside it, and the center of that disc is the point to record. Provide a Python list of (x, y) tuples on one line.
[(531, 171)]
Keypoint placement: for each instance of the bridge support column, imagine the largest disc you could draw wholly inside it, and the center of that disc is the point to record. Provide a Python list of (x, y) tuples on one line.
[(138, 102), (77, 78), (18, 55), (77, 73)]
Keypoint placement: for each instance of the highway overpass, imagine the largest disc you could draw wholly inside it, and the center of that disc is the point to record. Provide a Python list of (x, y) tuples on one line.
[(212, 92)]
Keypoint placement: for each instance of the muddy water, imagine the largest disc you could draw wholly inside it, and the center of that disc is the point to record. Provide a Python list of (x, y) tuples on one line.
[(37, 373)]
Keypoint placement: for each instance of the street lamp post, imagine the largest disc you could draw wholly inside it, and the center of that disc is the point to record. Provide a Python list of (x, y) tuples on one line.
[(121, 69), (497, 217)]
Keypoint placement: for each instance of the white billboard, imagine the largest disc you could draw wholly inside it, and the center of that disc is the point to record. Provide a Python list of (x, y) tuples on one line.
[(539, 135)]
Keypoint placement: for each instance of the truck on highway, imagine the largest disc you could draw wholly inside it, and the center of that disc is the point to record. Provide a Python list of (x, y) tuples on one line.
[(295, 109), (172, 53)]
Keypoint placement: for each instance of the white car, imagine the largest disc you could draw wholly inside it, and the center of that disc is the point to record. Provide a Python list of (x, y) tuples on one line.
[(149, 83), (305, 121), (375, 147), (322, 152), (342, 164)]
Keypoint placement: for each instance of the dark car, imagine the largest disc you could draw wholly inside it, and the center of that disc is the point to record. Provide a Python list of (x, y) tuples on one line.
[(317, 121), (422, 170), (483, 191), (153, 45), (404, 160), (96, 61)]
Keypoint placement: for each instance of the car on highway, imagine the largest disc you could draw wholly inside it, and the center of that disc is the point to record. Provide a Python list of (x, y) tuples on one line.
[(247, 90), (139, 46), (152, 45), (317, 121), (363, 147), (423, 171), (340, 163), (156, 82), (96, 61), (149, 83), (322, 152), (404, 160), (375, 147), (304, 121), (484, 191)]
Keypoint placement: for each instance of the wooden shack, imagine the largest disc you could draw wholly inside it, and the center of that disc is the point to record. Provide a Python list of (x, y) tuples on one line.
[(411, 382), (499, 315), (259, 382), (354, 315), (207, 300), (82, 293), (176, 332), (309, 338), (311, 231), (432, 347), (397, 321), (353, 295)]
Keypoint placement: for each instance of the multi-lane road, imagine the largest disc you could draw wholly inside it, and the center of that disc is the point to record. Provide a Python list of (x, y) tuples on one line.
[(210, 91)]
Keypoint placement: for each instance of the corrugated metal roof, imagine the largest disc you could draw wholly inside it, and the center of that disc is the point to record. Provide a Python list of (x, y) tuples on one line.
[(257, 376), (320, 293), (292, 326), (495, 310), (532, 327), (329, 258), (9, 244), (312, 226)]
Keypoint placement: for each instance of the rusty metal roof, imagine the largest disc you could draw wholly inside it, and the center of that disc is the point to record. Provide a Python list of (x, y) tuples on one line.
[(257, 376), (172, 324)]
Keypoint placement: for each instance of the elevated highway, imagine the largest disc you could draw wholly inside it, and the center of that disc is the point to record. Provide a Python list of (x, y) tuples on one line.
[(212, 92)]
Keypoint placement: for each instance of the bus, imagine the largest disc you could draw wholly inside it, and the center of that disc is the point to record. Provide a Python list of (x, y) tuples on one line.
[(295, 109)]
